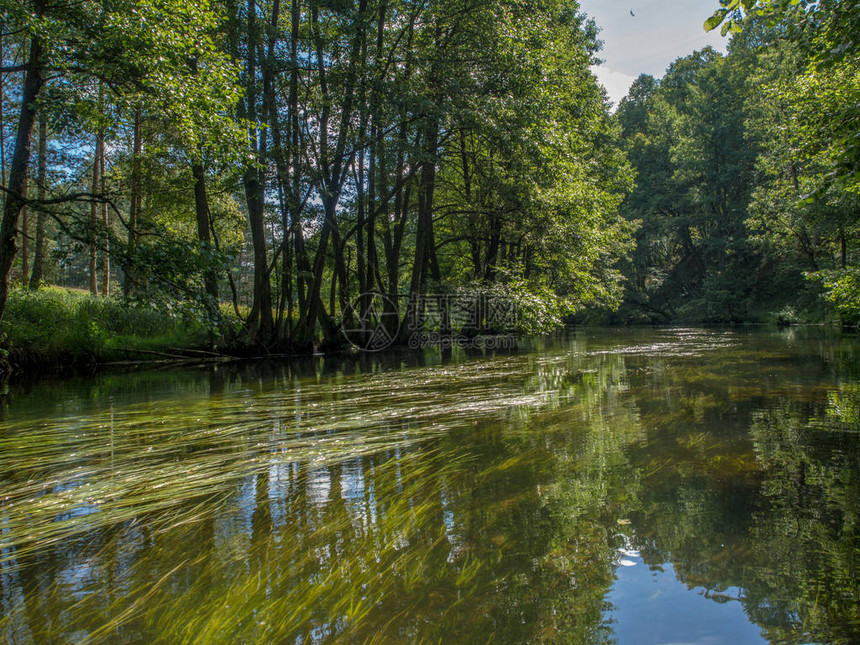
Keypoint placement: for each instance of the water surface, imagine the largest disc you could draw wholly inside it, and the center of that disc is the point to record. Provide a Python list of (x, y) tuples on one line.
[(665, 486)]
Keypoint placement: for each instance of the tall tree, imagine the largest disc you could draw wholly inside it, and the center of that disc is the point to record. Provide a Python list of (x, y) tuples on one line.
[(98, 166), (41, 186), (16, 199), (133, 48), (260, 321)]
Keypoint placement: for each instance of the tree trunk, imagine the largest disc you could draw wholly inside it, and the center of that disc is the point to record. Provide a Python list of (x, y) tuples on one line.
[(493, 247), (376, 156), (41, 188), (201, 207), (106, 223), (96, 184), (359, 177), (342, 272), (306, 327), (15, 199), (843, 245), (393, 240), (333, 162), (2, 121), (25, 233), (134, 205), (260, 320), (295, 158), (287, 159), (426, 265)]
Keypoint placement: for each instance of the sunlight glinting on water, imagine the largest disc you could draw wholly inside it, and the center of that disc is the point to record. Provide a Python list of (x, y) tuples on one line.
[(512, 498)]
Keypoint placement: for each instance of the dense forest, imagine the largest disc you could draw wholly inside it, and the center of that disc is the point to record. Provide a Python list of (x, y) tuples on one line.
[(747, 185), (260, 169)]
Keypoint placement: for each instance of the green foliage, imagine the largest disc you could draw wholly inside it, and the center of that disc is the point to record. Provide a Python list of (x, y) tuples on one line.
[(533, 177), (60, 328), (842, 291), (685, 134), (746, 171), (140, 50), (539, 309), (826, 32), (170, 272), (730, 15), (529, 308)]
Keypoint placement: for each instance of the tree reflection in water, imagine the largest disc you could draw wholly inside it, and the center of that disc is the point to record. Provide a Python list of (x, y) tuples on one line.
[(472, 499)]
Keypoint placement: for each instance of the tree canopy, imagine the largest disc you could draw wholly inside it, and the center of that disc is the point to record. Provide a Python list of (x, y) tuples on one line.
[(747, 172), (370, 146), (295, 159)]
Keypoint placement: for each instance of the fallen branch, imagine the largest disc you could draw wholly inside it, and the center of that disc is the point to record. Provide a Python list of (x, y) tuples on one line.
[(154, 353)]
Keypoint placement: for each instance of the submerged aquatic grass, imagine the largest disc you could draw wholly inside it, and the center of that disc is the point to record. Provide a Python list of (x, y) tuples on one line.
[(72, 475), (488, 499)]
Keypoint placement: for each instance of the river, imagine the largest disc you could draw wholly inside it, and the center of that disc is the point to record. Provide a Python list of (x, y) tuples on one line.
[(681, 485)]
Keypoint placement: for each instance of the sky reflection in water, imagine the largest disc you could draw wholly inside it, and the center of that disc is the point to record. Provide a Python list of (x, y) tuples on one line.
[(471, 499)]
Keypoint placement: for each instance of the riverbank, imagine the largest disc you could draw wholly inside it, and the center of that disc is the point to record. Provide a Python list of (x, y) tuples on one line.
[(67, 331), (57, 330)]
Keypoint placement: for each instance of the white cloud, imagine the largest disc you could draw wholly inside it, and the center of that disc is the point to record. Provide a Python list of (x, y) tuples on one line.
[(616, 83), (658, 32)]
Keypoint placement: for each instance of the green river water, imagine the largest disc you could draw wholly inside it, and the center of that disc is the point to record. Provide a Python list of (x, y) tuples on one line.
[(678, 485)]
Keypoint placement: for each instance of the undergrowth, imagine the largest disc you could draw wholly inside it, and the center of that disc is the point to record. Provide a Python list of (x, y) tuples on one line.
[(56, 328)]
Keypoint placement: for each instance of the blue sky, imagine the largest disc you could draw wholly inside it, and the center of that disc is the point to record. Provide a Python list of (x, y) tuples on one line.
[(645, 43)]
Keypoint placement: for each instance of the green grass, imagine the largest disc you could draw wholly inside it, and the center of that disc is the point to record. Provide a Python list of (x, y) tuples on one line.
[(57, 328)]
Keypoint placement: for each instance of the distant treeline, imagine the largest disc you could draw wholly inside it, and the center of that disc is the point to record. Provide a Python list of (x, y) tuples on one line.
[(747, 186)]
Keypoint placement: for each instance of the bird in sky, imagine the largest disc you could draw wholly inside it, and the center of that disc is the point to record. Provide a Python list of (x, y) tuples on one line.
[(632, 14)]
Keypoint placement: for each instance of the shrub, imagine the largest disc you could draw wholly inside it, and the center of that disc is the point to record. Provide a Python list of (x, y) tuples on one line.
[(54, 326)]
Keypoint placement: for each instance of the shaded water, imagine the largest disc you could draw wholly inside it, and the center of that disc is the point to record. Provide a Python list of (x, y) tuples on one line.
[(677, 485)]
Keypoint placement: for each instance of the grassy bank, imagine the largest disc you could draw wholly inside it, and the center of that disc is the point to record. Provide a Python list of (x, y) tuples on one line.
[(58, 329)]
